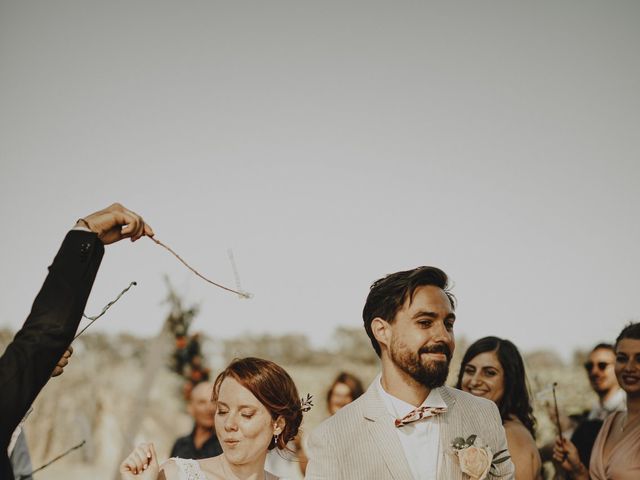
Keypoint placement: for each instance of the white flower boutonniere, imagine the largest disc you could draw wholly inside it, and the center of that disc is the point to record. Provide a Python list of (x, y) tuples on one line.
[(476, 461)]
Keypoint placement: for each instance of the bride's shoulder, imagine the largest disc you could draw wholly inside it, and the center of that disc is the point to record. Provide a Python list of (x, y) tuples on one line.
[(181, 469), (170, 469)]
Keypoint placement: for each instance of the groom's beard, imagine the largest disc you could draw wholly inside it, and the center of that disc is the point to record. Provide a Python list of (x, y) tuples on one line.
[(430, 373)]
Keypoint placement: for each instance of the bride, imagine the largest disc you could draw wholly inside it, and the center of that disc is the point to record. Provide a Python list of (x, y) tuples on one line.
[(257, 409)]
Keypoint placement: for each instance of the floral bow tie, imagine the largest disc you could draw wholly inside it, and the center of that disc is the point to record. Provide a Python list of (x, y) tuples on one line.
[(418, 414)]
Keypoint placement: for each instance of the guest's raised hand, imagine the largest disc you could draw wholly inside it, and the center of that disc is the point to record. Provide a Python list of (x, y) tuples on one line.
[(64, 360), (141, 464), (115, 223), (566, 455)]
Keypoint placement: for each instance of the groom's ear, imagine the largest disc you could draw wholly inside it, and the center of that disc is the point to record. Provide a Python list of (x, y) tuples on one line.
[(381, 330)]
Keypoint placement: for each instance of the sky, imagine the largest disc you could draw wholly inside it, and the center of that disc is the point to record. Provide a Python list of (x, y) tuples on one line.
[(328, 144)]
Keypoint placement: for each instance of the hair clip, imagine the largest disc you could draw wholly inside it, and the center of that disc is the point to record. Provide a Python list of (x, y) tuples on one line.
[(306, 403)]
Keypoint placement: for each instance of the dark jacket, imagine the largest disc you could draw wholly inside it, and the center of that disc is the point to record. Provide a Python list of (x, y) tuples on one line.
[(185, 448), (29, 360)]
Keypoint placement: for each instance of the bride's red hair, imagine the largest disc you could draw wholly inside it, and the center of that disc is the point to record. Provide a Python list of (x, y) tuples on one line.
[(272, 386)]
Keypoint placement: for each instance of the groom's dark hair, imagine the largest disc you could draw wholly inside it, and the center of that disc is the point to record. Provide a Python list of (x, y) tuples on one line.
[(388, 294)]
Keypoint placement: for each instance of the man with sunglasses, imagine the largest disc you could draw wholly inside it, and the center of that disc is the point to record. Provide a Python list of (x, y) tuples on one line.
[(599, 368)]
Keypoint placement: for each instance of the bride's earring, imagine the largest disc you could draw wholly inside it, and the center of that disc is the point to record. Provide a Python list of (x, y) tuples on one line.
[(275, 439)]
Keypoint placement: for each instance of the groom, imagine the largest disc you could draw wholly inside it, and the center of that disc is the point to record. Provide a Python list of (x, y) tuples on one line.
[(409, 317)]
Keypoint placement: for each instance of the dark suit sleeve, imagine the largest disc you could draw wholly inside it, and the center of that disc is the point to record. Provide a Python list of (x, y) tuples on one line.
[(28, 361)]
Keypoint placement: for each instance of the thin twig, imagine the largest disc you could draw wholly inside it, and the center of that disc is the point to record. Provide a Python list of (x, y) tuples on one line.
[(555, 403), (235, 270), (237, 292), (62, 455), (104, 310)]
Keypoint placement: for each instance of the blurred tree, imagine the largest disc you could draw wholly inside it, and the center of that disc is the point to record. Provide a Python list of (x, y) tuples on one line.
[(353, 344), (543, 360)]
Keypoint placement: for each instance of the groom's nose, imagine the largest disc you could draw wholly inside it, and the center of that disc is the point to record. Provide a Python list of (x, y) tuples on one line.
[(441, 334)]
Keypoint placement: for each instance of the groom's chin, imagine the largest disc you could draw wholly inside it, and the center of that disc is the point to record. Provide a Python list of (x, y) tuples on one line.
[(436, 374)]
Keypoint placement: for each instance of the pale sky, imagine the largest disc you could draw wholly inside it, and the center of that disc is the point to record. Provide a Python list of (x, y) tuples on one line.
[(329, 143)]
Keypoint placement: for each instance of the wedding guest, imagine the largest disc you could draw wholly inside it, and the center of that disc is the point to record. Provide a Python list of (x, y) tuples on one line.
[(602, 377), (344, 390), (493, 368), (257, 410), (616, 451), (30, 359), (202, 441), (407, 423)]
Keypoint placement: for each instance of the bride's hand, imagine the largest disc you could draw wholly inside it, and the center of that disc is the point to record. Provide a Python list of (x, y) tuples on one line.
[(141, 464)]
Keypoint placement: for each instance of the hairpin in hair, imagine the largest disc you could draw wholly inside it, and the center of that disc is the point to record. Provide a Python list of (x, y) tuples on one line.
[(306, 403), (240, 293)]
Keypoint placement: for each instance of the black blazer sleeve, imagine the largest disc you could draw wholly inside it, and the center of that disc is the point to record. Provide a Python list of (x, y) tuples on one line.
[(28, 361)]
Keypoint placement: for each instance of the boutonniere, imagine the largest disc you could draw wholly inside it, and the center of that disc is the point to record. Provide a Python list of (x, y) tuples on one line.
[(475, 460)]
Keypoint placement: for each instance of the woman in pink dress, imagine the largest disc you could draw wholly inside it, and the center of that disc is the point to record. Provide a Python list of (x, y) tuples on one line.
[(616, 452), (257, 409)]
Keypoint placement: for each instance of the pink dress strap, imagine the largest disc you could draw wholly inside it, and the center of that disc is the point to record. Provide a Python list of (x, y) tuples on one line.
[(623, 462)]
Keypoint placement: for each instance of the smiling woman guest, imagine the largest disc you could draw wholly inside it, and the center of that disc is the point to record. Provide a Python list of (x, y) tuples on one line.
[(616, 452), (257, 409), (344, 390), (493, 368)]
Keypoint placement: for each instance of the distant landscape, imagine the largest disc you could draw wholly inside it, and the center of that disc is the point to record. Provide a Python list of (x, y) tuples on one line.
[(107, 393)]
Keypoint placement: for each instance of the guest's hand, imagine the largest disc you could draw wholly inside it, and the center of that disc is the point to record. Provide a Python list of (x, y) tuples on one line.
[(566, 455), (141, 464), (115, 223), (64, 360)]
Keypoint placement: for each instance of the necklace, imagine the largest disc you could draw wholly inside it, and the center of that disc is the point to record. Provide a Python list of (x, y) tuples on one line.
[(625, 421)]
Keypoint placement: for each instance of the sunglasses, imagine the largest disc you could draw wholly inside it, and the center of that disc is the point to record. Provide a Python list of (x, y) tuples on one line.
[(602, 366)]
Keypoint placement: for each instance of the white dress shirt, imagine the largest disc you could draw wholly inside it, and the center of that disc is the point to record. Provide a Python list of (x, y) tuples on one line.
[(420, 440), (617, 402)]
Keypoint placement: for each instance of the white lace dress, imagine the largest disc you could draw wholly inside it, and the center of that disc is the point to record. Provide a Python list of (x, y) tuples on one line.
[(190, 470)]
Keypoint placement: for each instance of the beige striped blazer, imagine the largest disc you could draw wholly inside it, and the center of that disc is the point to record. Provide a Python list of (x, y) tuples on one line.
[(360, 440)]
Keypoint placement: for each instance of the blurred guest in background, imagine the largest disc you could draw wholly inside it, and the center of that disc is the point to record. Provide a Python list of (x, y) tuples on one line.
[(616, 452), (202, 441), (602, 377), (493, 368), (344, 390)]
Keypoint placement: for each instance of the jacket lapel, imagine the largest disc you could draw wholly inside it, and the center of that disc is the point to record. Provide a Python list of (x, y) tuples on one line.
[(449, 424), (382, 430)]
